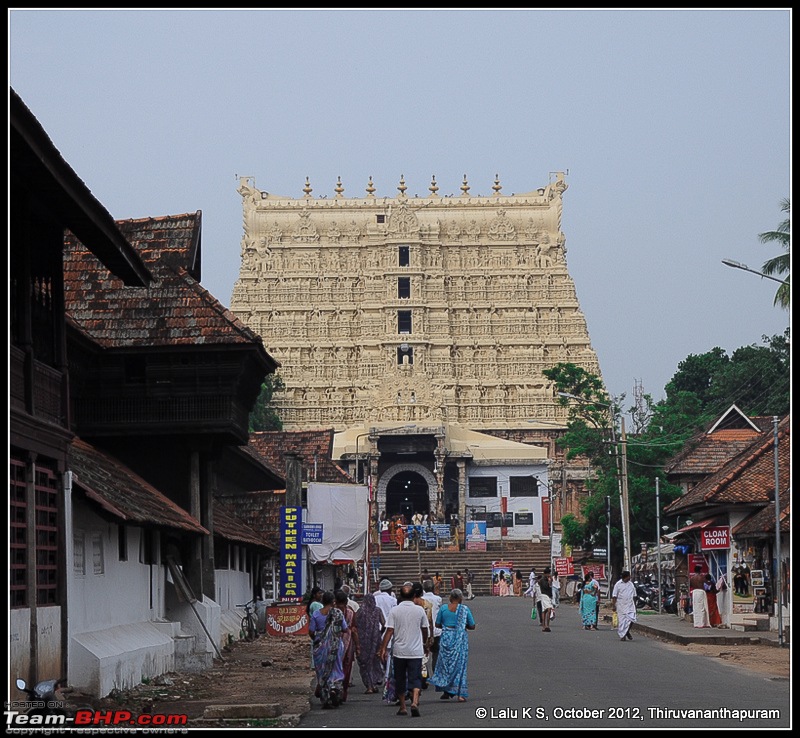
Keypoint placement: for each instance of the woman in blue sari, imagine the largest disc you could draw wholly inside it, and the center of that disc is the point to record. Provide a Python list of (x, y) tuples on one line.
[(326, 628), (450, 676), (590, 594)]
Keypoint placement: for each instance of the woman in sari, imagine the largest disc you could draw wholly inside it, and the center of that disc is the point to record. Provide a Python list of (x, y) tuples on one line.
[(517, 583), (326, 628), (450, 675), (502, 585), (369, 622), (590, 593), (349, 639), (710, 586)]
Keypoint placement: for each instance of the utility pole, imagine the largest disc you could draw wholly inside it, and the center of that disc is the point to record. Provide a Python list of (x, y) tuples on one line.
[(626, 536), (608, 543), (658, 541)]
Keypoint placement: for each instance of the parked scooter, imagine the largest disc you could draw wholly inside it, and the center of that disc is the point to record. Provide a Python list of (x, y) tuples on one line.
[(44, 698), (646, 595), (670, 602)]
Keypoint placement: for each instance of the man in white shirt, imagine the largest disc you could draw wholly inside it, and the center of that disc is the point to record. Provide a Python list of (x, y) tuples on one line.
[(623, 602), (407, 627), (351, 603), (384, 598), (436, 603)]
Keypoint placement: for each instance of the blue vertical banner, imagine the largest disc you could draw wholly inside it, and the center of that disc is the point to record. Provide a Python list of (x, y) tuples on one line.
[(291, 560)]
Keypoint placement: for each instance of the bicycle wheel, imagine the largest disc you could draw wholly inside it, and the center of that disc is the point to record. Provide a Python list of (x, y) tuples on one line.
[(249, 629)]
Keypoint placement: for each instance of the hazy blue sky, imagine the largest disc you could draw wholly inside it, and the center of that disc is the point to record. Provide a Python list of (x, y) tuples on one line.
[(674, 126)]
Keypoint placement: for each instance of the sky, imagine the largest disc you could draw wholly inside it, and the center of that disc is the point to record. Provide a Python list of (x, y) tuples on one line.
[(673, 126)]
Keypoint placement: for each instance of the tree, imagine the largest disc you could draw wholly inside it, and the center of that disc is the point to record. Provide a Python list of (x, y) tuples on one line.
[(755, 378), (780, 264), (264, 416)]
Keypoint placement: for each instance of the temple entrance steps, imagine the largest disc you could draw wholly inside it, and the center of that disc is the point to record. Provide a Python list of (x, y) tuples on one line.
[(401, 566)]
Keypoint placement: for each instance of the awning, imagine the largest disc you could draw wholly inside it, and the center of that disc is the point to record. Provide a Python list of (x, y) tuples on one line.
[(700, 525)]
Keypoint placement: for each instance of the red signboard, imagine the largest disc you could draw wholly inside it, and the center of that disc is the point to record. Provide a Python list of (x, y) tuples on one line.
[(288, 619), (599, 570), (564, 567), (715, 537)]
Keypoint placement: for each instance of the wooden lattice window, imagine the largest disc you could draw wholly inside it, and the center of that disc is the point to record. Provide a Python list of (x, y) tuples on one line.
[(18, 533), (45, 535), (46, 491)]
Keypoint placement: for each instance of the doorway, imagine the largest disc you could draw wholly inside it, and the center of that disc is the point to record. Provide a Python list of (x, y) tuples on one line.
[(406, 494)]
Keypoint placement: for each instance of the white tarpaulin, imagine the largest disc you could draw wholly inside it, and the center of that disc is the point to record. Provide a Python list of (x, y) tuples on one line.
[(343, 510)]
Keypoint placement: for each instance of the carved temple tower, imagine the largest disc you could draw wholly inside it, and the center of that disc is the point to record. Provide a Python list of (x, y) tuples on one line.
[(414, 310), (409, 309)]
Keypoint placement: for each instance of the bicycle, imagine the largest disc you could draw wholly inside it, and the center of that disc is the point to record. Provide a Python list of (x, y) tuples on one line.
[(249, 627)]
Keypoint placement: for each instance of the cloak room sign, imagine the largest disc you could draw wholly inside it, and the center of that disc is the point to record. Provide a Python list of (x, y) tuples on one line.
[(715, 537)]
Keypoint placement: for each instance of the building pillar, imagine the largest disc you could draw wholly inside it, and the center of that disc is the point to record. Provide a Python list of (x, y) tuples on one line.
[(207, 486), (462, 499), (194, 567), (439, 454)]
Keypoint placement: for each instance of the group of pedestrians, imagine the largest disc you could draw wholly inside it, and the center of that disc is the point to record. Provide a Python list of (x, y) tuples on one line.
[(402, 643), (545, 590)]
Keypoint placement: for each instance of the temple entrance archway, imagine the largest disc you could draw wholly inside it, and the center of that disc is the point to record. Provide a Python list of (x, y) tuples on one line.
[(406, 489)]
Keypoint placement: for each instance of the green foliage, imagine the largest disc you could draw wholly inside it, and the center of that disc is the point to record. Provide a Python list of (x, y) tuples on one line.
[(755, 378), (263, 416), (573, 532), (780, 264)]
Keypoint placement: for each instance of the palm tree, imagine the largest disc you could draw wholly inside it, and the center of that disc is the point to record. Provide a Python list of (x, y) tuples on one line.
[(780, 264)]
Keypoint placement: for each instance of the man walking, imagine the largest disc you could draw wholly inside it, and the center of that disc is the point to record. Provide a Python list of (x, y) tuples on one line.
[(468, 582), (384, 598), (436, 603), (407, 627), (623, 602), (545, 599)]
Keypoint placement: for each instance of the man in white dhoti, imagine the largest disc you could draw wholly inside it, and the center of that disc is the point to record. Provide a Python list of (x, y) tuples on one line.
[(623, 602), (699, 598)]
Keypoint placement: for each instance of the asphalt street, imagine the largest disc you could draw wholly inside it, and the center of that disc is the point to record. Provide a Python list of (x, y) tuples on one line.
[(520, 677)]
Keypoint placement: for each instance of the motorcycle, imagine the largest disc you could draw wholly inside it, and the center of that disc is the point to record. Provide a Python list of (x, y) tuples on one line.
[(646, 596), (670, 602), (44, 698)]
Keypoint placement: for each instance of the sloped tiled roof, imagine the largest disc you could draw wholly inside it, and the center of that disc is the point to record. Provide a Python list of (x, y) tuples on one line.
[(762, 523), (39, 168), (747, 478), (314, 448), (229, 525), (708, 450), (259, 511), (174, 310), (122, 492)]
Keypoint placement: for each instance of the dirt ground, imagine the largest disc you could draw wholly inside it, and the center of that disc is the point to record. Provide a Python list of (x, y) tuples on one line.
[(278, 671), (269, 670), (768, 661)]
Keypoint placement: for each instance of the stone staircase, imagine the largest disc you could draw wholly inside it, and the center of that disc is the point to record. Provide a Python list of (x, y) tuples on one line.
[(750, 621), (399, 566)]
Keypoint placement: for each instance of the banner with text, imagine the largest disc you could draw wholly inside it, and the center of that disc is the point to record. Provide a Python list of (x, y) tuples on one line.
[(291, 562)]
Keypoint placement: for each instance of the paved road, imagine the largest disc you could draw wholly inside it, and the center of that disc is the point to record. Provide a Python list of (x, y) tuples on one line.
[(520, 677)]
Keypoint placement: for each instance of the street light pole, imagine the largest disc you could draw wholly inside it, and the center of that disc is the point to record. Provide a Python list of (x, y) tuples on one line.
[(778, 575), (744, 267)]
